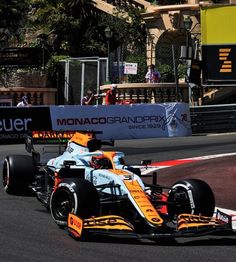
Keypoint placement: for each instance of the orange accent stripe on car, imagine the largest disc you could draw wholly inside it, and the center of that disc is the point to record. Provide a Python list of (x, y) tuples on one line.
[(81, 139), (143, 202), (120, 172)]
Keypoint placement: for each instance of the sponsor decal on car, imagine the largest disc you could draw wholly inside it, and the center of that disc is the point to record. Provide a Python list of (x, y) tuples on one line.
[(110, 222), (75, 223), (143, 202), (188, 221), (68, 186), (52, 134), (223, 217)]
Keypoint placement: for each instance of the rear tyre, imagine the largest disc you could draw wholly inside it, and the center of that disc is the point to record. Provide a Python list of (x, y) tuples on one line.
[(18, 173), (191, 196), (77, 196)]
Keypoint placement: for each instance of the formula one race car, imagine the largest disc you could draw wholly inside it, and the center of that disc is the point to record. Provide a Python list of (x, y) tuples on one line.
[(93, 192)]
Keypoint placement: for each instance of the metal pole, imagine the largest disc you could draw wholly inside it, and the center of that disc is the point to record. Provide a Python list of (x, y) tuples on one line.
[(98, 78), (187, 44), (43, 57), (188, 65), (177, 96), (109, 62), (82, 80), (118, 62), (67, 74), (151, 50)]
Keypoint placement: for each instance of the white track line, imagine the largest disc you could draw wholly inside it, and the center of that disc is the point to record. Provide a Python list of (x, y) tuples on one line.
[(158, 165)]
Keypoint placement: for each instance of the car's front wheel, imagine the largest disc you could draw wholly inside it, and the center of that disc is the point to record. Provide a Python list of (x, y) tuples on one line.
[(191, 196), (77, 196)]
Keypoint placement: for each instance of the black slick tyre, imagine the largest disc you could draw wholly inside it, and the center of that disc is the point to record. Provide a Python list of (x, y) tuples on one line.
[(18, 173), (77, 196), (191, 196)]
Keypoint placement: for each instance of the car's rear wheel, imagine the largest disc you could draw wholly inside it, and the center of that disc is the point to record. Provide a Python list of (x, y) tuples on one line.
[(191, 196), (18, 173), (77, 196)]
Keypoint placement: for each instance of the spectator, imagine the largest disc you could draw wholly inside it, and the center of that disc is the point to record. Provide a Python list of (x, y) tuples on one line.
[(89, 99), (111, 95), (24, 102), (152, 75), (196, 94)]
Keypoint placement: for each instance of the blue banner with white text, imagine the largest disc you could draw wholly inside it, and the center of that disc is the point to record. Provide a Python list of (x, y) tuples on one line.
[(110, 122)]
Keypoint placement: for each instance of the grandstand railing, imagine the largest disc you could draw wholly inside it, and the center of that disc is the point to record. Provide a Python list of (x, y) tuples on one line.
[(149, 93)]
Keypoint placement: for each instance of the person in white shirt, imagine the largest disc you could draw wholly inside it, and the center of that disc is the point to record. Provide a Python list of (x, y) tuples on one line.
[(152, 75), (24, 102)]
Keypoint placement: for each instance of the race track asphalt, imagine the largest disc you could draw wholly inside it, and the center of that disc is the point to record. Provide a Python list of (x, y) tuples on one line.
[(219, 173), (29, 234)]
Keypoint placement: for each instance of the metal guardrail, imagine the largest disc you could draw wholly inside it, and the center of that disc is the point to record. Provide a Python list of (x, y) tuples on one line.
[(213, 119)]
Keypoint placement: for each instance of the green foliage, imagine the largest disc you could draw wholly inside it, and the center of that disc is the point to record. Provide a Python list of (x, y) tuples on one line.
[(132, 34), (182, 68), (67, 24), (13, 14), (75, 28), (53, 64), (167, 72), (130, 37)]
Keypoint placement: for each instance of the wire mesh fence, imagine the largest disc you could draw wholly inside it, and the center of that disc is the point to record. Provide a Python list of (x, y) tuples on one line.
[(167, 59)]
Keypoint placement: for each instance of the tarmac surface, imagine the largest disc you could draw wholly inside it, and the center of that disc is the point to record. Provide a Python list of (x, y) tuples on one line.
[(219, 173), (28, 232)]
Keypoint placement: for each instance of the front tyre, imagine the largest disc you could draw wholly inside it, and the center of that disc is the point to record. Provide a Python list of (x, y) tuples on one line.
[(77, 196), (191, 196), (18, 173)]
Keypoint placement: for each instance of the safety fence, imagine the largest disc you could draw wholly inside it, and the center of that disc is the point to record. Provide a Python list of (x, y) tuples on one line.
[(213, 119)]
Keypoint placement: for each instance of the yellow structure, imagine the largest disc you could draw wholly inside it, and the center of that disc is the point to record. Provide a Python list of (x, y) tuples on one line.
[(219, 45), (216, 29)]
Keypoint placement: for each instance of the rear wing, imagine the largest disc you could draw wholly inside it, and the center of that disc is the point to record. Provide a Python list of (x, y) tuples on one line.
[(51, 137), (82, 138)]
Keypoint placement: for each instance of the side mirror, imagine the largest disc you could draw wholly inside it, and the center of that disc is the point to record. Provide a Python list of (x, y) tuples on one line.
[(146, 162)]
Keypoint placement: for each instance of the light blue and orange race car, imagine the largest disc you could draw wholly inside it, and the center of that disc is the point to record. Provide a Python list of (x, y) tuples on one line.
[(92, 192)]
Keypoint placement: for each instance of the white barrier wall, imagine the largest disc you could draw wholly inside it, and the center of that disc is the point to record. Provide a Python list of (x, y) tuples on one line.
[(125, 121)]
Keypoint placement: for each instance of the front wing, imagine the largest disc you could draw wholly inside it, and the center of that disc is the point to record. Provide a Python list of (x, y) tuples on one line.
[(187, 225)]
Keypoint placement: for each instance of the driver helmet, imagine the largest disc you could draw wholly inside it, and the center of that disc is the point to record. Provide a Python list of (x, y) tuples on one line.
[(95, 163), (100, 162)]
